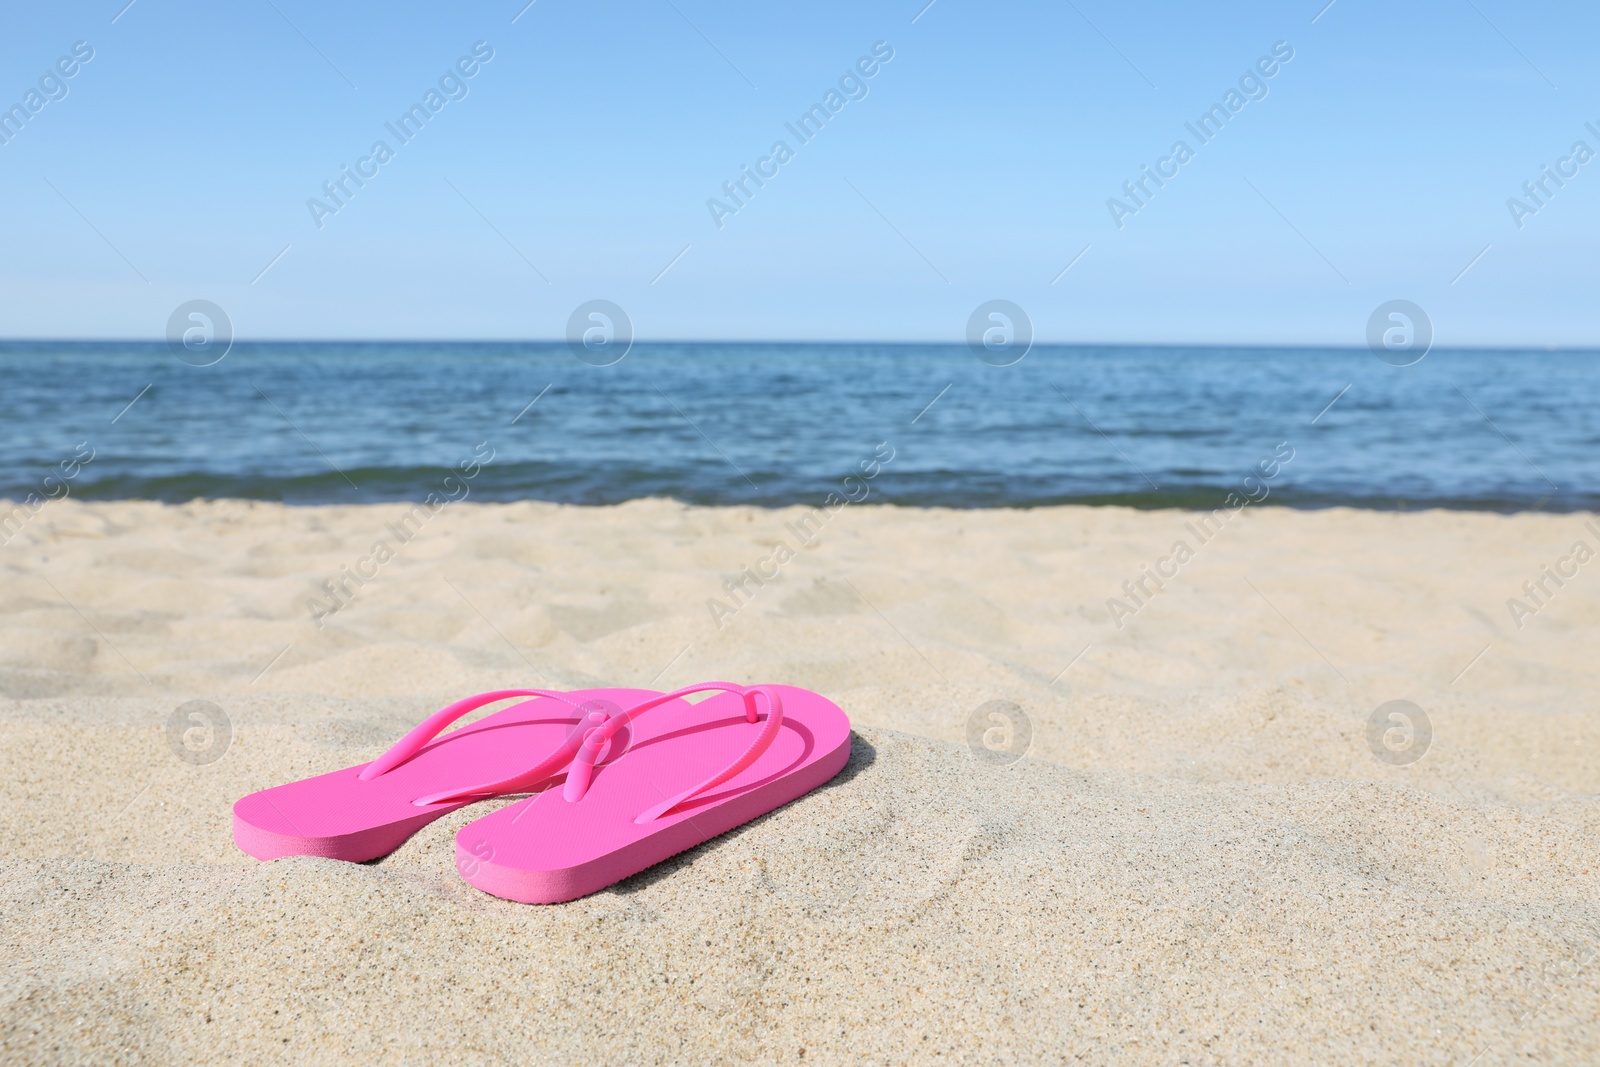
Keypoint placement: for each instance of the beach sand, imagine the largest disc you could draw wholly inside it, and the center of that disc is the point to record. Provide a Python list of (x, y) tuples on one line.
[(1201, 858)]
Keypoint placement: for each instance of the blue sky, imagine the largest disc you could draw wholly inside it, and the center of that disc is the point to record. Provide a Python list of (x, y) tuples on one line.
[(977, 166)]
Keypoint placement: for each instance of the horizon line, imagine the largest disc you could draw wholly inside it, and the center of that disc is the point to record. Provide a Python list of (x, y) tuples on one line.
[(958, 343)]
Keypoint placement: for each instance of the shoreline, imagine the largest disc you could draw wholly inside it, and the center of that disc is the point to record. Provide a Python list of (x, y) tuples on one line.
[(1396, 506)]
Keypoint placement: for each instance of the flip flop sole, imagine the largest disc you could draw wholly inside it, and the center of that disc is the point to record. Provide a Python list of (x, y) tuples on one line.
[(546, 850), (339, 816)]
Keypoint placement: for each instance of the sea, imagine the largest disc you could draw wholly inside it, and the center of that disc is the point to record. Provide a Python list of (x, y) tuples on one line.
[(775, 424)]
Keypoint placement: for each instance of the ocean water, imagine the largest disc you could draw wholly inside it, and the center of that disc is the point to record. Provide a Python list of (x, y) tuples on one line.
[(778, 424)]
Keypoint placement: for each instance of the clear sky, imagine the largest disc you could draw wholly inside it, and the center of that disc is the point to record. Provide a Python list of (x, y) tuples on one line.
[(976, 163)]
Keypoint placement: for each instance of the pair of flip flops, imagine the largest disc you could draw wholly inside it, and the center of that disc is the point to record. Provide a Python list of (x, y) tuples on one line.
[(620, 780)]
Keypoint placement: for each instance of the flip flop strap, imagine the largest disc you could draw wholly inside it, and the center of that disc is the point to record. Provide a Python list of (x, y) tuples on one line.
[(524, 781), (581, 772), (429, 728)]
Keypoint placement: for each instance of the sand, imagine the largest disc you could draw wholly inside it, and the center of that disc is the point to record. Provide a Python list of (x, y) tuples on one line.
[(1201, 857)]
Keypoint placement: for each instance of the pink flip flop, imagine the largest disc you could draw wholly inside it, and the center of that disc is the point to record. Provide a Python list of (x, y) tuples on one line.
[(639, 791), (367, 811)]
